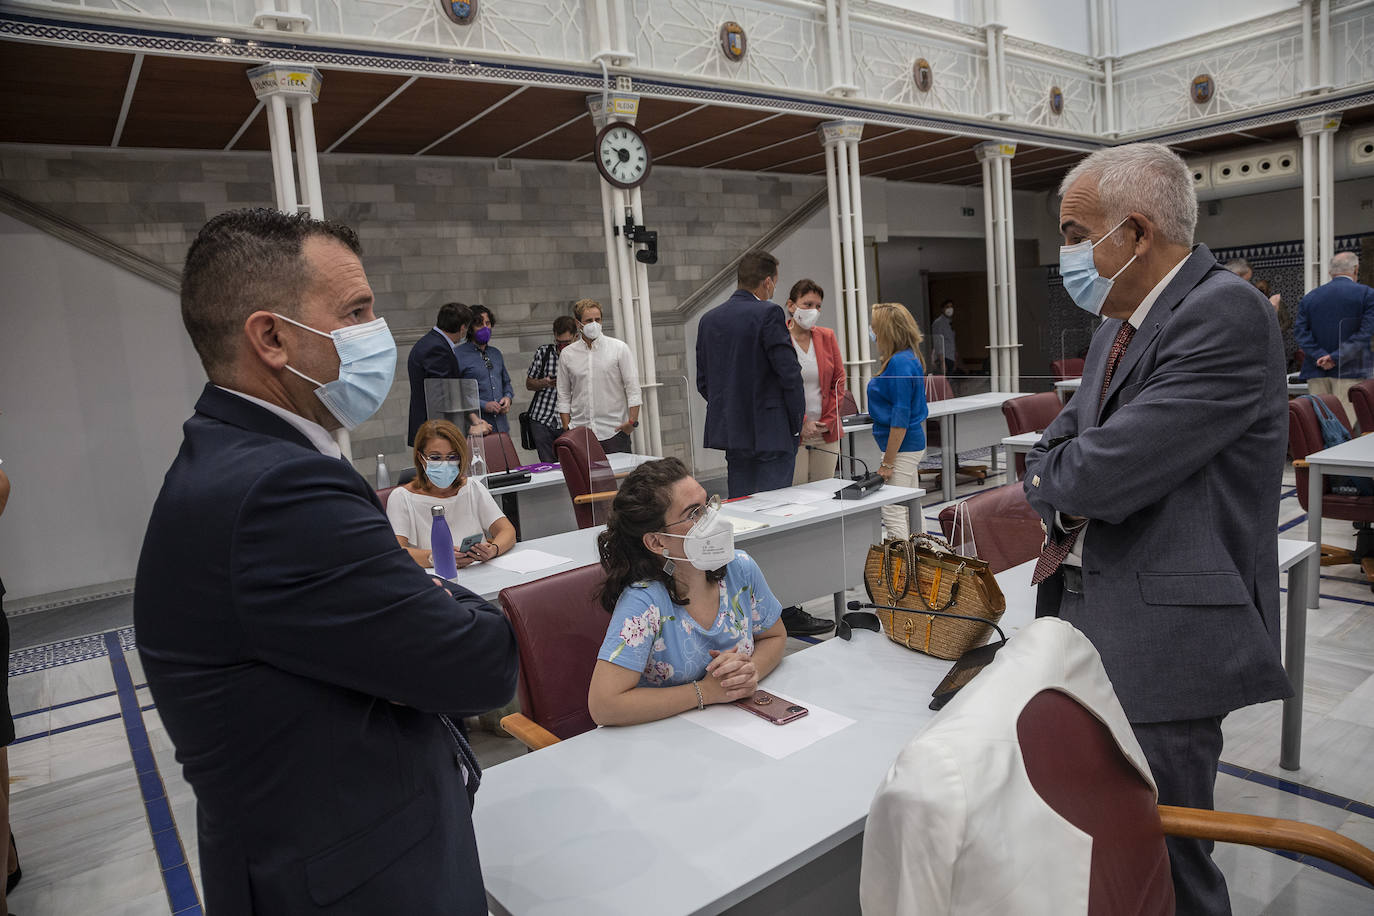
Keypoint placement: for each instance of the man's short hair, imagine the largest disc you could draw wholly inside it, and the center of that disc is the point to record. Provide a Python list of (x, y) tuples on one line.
[(581, 305), (1238, 266), (477, 312), (1144, 178), (1345, 263), (241, 262), (755, 267), (564, 324), (453, 317)]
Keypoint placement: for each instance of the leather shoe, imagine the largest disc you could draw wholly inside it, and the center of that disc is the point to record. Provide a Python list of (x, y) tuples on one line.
[(800, 623)]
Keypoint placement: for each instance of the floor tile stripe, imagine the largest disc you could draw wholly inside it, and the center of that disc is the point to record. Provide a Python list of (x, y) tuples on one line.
[(34, 712), (171, 855), (65, 728)]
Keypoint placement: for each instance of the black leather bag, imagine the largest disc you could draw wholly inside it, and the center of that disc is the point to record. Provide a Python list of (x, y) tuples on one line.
[(526, 431)]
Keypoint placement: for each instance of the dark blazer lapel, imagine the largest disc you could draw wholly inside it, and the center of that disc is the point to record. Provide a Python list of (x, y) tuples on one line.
[(1199, 263), (236, 411)]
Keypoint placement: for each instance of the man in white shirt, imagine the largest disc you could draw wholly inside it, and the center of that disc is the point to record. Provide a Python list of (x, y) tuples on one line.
[(598, 382)]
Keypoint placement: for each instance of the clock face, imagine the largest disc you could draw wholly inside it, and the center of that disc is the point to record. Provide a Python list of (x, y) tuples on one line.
[(622, 155)]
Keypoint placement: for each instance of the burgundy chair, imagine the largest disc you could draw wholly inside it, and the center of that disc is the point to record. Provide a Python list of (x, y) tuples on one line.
[(588, 474), (559, 627), (1030, 414), (1362, 399), (1076, 767), (939, 389), (384, 494), (1304, 438), (498, 450), (1065, 369), (999, 523)]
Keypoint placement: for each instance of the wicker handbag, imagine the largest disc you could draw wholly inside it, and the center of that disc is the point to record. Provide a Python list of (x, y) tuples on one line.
[(922, 573)]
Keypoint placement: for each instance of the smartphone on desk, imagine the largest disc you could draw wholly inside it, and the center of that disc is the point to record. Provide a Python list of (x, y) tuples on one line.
[(471, 541), (773, 708)]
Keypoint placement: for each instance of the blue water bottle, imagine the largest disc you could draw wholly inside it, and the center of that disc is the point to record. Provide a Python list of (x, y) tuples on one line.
[(441, 546)]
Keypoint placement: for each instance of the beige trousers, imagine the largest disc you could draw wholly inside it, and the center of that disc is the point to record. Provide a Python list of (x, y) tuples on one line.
[(814, 464), (896, 519), (1340, 387)]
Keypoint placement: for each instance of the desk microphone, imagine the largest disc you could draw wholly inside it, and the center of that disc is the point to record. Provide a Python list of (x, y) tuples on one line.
[(863, 484), (968, 665)]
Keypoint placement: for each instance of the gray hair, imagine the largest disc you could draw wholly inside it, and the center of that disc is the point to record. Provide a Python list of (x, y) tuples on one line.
[(1144, 178), (1346, 263), (1238, 266)]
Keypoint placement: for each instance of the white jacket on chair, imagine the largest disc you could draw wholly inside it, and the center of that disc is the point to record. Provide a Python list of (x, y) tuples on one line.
[(956, 827)]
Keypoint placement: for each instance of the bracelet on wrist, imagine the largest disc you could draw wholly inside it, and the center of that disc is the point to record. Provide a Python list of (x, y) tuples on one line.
[(890, 467), (701, 701)]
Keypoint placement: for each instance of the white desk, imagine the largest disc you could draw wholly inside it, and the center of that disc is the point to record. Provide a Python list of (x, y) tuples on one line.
[(545, 506), (1354, 458), (671, 819), (1019, 444), (803, 556), (1067, 387), (1299, 558), (979, 422)]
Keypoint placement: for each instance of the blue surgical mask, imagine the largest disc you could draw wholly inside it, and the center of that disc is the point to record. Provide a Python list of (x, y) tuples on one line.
[(1086, 288), (367, 364), (441, 473), (873, 335)]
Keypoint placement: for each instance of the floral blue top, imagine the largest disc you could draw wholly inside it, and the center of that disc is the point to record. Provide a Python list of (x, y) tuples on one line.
[(650, 634)]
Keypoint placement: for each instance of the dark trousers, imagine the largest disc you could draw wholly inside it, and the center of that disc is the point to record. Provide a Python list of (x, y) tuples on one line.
[(749, 472), (543, 439), (620, 442), (1183, 758)]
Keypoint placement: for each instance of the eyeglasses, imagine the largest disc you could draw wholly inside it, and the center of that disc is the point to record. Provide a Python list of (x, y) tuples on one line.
[(444, 457), (695, 513), (486, 359)]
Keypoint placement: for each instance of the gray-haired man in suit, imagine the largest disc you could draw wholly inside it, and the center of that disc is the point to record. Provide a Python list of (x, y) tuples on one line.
[(1159, 483)]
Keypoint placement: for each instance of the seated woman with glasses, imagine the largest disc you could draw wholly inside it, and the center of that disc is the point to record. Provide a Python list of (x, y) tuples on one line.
[(441, 459), (692, 619)]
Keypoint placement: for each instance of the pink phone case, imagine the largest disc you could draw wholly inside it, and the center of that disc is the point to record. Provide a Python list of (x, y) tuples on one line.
[(775, 709)]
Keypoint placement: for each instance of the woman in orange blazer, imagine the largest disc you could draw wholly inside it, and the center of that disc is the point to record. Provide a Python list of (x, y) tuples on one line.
[(823, 379)]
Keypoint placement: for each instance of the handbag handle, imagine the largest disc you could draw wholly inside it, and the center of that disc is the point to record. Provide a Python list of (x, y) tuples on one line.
[(890, 548), (908, 547)]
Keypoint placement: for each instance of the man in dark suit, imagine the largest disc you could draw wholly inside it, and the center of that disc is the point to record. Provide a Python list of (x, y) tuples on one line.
[(749, 375), (1159, 482), (747, 370), (1334, 325), (433, 357), (304, 666)]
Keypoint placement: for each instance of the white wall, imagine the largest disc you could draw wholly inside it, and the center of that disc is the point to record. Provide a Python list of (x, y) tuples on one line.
[(1147, 25), (1277, 215), (96, 377), (1057, 23)]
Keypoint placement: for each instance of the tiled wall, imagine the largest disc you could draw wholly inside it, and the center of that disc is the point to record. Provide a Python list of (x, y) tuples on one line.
[(526, 242)]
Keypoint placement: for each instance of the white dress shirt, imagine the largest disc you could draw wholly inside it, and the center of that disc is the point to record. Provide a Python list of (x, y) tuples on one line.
[(317, 434), (597, 384), (1075, 557)]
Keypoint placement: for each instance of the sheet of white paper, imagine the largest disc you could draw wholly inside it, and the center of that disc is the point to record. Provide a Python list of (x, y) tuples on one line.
[(808, 495), (825, 487), (787, 510), (742, 525), (760, 501), (621, 461), (777, 741), (527, 560)]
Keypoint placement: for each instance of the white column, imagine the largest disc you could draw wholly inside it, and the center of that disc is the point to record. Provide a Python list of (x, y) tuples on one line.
[(1308, 81), (846, 47), (649, 415), (279, 137), (1318, 191), (845, 328), (1109, 94), (842, 184), (856, 211), (990, 247), (832, 32), (1011, 363), (1324, 46), (297, 87), (1002, 320)]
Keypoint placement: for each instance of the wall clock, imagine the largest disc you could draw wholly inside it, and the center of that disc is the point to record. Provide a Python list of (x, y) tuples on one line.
[(622, 155)]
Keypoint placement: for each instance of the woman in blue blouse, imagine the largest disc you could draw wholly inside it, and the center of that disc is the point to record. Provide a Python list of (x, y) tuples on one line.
[(692, 619), (897, 404)]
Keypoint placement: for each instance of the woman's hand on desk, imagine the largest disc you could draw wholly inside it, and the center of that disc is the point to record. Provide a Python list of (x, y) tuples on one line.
[(732, 675), (483, 551)]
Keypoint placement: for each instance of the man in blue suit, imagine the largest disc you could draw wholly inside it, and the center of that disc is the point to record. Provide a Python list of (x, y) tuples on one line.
[(433, 357), (1334, 325), (747, 370), (305, 668)]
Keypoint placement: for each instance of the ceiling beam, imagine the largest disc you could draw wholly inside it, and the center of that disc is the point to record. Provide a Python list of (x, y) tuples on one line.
[(128, 98), (247, 122), (763, 149), (368, 117), (898, 168), (568, 123), (473, 120), (714, 137)]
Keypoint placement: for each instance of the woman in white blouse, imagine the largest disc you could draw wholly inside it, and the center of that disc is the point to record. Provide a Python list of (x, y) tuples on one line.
[(441, 458)]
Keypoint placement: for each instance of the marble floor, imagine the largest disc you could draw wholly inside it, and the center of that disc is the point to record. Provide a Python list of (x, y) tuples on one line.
[(105, 823)]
